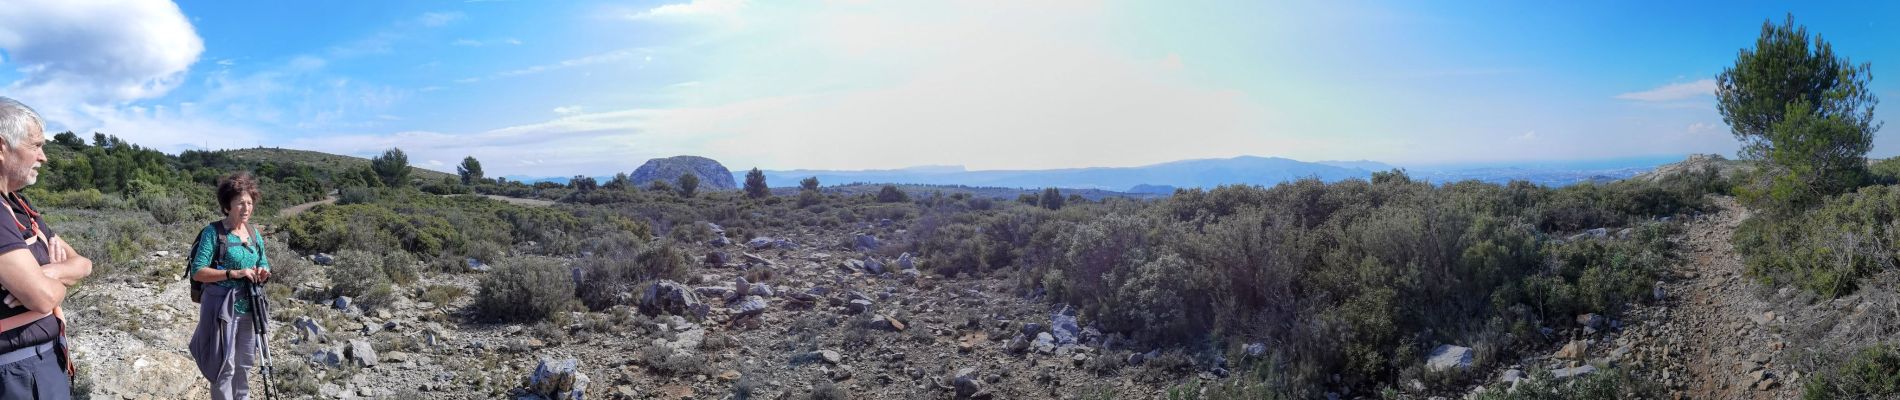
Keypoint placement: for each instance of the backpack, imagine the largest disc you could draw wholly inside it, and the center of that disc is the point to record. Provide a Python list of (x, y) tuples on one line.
[(217, 256)]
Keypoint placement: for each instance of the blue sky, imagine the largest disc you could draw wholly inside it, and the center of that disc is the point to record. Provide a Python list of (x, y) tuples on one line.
[(559, 88)]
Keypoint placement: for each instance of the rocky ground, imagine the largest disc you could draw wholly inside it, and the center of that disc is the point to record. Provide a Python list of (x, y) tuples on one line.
[(822, 314), (819, 318)]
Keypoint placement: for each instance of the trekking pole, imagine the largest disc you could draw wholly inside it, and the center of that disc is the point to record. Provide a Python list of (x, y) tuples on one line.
[(260, 321)]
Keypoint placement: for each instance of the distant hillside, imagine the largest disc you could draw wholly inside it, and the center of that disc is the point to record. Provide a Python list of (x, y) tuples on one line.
[(712, 175), (322, 161), (1723, 167)]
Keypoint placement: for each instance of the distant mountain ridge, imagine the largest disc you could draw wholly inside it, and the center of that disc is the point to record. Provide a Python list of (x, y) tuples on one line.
[(1209, 173), (1163, 178), (1254, 170)]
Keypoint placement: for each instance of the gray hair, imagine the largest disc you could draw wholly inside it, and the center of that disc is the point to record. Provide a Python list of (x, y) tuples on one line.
[(16, 120)]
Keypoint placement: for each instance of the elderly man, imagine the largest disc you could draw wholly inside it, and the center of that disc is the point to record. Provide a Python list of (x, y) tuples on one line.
[(36, 267)]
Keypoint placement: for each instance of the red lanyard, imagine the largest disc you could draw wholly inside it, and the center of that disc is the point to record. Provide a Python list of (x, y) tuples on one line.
[(32, 216)]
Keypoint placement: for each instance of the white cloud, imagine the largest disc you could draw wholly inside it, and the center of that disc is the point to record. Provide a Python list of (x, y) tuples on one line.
[(693, 9), (467, 43), (602, 58), (1527, 136), (86, 75), (1673, 92), (567, 110), (67, 55)]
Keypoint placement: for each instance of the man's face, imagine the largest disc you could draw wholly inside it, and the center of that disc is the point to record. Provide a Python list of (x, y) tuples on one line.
[(22, 162)]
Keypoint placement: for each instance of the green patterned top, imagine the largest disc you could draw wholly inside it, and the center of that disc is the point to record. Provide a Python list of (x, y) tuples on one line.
[(239, 256)]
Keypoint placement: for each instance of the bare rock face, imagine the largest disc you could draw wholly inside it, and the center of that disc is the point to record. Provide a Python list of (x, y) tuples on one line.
[(711, 174)]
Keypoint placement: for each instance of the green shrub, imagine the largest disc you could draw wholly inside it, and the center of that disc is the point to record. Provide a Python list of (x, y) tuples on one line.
[(442, 294), (526, 290), (400, 267), (614, 278), (1884, 172), (357, 273), (1605, 384), (1873, 372), (169, 210), (1827, 249), (890, 194), (89, 198)]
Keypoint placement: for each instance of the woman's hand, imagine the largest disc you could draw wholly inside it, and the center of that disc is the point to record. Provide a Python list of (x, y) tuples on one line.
[(259, 275)]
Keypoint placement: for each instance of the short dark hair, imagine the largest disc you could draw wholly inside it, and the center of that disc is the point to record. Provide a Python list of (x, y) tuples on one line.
[(230, 186)]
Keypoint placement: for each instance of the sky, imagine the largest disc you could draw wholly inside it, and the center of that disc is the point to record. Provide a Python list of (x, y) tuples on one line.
[(563, 88)]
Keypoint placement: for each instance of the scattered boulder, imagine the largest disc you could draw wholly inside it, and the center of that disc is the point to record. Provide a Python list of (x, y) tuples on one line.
[(361, 353), (327, 357), (309, 331), (1063, 326), (750, 306), (669, 297), (1512, 377), (1567, 373), (324, 259), (827, 356), (858, 306), (873, 266), (760, 243), (558, 380), (905, 261), (342, 303), (717, 258), (966, 382), (1016, 345), (1045, 343), (761, 289), (1256, 349), (1447, 356), (755, 259), (882, 322), (720, 241), (866, 242), (716, 229)]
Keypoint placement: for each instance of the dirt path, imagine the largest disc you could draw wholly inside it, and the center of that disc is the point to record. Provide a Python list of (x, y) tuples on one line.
[(515, 200), (1718, 339), (300, 208)]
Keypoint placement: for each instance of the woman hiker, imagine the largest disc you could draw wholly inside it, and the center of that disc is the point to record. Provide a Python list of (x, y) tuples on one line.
[(224, 345)]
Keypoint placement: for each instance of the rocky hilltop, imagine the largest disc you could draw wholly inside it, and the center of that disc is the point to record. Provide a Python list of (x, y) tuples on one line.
[(711, 174)]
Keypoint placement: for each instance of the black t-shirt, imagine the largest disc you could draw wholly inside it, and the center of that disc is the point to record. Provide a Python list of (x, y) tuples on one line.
[(13, 238)]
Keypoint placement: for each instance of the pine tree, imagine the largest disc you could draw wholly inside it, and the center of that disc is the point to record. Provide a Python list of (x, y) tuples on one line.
[(755, 184), (688, 185), (470, 170), (1805, 111)]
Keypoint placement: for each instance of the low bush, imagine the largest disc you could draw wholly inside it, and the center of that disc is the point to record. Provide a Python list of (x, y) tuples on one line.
[(1873, 372), (526, 290), (1828, 249)]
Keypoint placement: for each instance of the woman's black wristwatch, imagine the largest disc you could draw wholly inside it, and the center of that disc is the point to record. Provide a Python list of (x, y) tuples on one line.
[(227, 274)]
